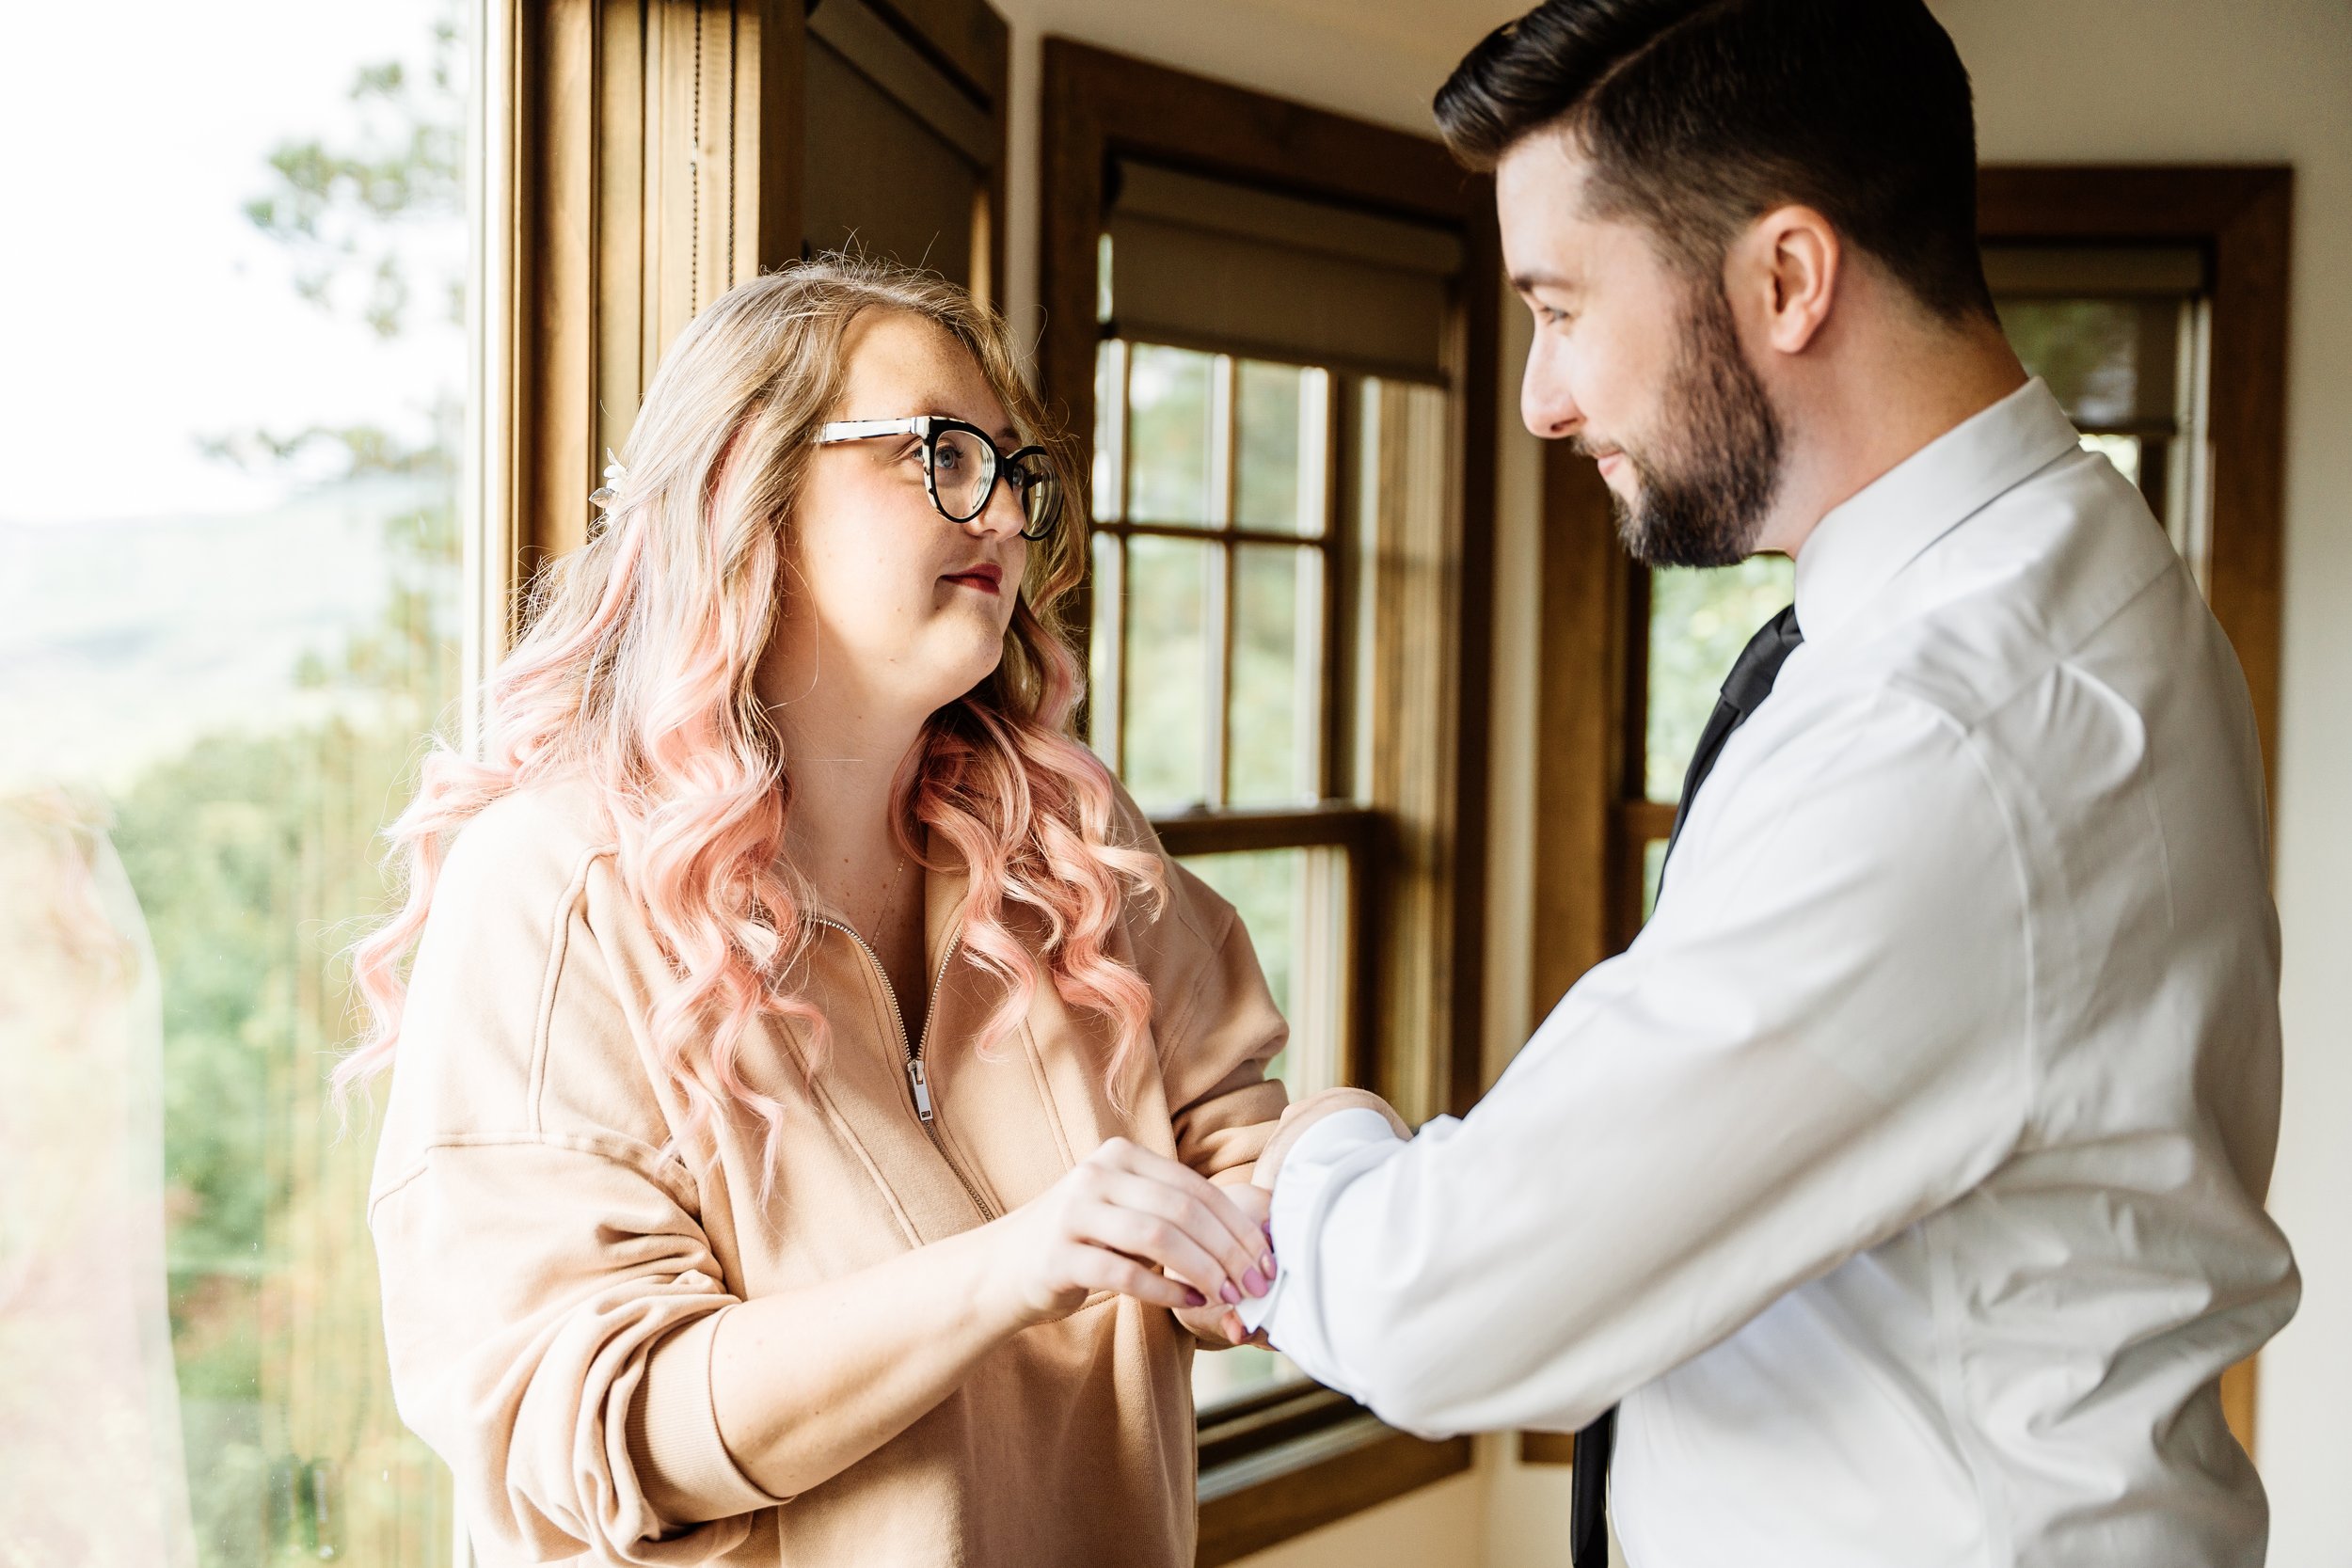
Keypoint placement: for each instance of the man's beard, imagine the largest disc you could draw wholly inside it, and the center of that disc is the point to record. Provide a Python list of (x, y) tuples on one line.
[(1704, 490)]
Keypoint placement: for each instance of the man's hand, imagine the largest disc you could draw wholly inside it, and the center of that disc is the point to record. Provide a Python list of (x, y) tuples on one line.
[(1216, 1324)]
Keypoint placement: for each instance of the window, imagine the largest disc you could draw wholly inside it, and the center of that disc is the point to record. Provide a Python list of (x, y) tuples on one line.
[(229, 606), (1282, 351), (1225, 551), (2122, 337), (1214, 667)]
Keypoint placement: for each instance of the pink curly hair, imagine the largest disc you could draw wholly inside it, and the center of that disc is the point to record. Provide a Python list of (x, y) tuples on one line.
[(637, 675)]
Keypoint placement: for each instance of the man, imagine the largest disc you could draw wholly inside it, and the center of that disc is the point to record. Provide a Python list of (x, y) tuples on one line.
[(1903, 1181)]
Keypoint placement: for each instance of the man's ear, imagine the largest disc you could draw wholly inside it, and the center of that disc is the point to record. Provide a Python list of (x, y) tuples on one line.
[(1782, 276)]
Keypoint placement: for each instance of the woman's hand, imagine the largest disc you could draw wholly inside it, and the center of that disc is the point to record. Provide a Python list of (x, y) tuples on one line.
[(1214, 1323), (1128, 1220)]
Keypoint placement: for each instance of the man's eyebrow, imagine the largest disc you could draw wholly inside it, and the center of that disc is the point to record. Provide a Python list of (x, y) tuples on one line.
[(1535, 278)]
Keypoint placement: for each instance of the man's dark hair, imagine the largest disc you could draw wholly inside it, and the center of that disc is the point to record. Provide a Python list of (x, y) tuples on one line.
[(1700, 116)]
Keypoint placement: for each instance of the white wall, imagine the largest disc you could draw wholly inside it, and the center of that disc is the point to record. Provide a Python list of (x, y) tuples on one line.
[(2254, 81), (2057, 81)]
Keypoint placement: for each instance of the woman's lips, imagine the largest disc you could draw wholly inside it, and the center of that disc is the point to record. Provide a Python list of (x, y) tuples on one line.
[(988, 580)]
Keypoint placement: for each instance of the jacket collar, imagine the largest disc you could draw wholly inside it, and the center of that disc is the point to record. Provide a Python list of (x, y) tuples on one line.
[(942, 902), (1857, 548)]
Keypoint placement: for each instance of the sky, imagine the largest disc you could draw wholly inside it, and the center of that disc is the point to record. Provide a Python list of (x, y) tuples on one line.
[(147, 310)]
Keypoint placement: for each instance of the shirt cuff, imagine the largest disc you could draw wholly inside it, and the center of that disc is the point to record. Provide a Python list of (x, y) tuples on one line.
[(1328, 1155)]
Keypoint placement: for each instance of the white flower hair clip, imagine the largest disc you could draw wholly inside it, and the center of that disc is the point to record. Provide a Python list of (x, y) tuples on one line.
[(603, 498)]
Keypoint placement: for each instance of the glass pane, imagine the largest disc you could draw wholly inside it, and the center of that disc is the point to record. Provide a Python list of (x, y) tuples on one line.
[(1653, 870), (2108, 361), (1267, 888), (1274, 891), (1110, 423), (1169, 437), (2122, 451), (227, 647), (1698, 623), (1281, 447), (1166, 700), (1278, 708), (1109, 583)]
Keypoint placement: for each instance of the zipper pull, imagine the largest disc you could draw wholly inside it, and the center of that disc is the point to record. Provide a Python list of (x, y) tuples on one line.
[(917, 1077)]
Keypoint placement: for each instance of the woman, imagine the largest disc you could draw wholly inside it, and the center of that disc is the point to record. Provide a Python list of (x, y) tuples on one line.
[(822, 1118)]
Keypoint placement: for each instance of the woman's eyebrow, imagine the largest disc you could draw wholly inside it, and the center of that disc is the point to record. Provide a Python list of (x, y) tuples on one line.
[(1005, 435)]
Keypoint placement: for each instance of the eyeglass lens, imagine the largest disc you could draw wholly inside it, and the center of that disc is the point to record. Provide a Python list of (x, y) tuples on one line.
[(963, 471)]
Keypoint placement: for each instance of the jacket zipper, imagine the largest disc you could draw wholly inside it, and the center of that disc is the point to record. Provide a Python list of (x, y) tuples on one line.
[(918, 1078)]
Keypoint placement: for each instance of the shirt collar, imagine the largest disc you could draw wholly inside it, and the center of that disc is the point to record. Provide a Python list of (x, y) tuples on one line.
[(1859, 546)]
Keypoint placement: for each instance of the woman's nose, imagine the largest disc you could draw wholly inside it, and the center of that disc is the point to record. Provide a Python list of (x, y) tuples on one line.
[(1004, 514)]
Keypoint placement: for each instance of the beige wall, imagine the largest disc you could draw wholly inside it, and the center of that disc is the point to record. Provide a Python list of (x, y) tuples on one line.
[(2057, 81)]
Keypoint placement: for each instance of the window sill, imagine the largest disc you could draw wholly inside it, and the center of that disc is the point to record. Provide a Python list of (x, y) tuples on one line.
[(1296, 1459)]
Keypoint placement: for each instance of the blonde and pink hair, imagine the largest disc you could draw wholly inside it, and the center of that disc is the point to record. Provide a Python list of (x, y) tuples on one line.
[(636, 675)]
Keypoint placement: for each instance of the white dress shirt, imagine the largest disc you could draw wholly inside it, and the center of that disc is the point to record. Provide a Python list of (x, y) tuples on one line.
[(1903, 1179)]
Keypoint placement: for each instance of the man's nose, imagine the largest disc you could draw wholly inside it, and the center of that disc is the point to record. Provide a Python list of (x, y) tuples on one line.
[(1547, 404)]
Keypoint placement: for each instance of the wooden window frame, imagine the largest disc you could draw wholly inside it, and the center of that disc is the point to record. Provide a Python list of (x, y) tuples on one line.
[(1592, 818), (1292, 1459)]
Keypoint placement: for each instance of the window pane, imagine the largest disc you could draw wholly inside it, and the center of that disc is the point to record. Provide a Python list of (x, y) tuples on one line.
[(1109, 582), (1167, 671), (1278, 606), (2122, 451), (2108, 361), (1280, 448), (1110, 426), (1698, 623), (1292, 902), (1266, 887), (1168, 436), (227, 647), (1653, 872)]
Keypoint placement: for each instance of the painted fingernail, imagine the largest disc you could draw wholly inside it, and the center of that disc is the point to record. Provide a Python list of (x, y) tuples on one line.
[(1232, 1297), (1254, 1283), (1194, 1298), (1266, 1265)]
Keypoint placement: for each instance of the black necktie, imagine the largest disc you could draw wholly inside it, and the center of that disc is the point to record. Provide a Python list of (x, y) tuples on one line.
[(1744, 690)]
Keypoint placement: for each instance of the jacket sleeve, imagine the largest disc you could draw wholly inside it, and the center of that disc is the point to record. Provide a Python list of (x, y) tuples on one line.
[(1214, 1021), (550, 1295)]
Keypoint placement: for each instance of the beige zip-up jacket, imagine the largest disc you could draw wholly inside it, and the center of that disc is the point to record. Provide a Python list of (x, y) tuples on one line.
[(557, 1248)]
